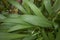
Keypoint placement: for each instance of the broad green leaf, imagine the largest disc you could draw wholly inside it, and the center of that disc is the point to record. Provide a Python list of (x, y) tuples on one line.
[(48, 6), (5, 26), (56, 5), (17, 5), (45, 37), (15, 20), (34, 8), (35, 20), (10, 36), (19, 27), (58, 35)]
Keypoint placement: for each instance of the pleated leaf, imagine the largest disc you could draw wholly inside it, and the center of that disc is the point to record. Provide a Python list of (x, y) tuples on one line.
[(14, 20), (35, 20)]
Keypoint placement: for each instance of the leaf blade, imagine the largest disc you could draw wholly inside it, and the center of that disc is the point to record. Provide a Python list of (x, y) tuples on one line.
[(35, 20)]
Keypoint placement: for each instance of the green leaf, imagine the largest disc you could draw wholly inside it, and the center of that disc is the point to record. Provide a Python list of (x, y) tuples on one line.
[(9, 36), (17, 5), (35, 20), (34, 8), (56, 5), (26, 7), (48, 6), (5, 26), (19, 27), (2, 17), (29, 38), (15, 20)]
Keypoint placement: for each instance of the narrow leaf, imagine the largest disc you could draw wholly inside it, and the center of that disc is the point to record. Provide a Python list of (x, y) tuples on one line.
[(27, 8), (48, 6), (34, 8), (9, 36), (56, 5), (15, 20), (19, 27), (17, 5)]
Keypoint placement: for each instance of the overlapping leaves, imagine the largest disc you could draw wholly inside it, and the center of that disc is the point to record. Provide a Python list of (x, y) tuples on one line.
[(17, 22)]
